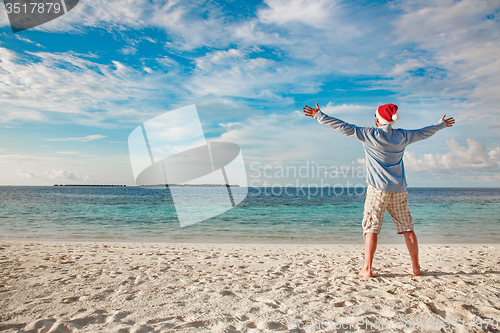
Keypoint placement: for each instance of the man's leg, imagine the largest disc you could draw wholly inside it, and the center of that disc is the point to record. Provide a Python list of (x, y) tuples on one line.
[(373, 217), (403, 221), (370, 247), (412, 245)]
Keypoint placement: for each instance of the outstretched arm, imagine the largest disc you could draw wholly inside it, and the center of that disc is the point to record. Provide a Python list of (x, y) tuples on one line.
[(426, 132), (336, 124)]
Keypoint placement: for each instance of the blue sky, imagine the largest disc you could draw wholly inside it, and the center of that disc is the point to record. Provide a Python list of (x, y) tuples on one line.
[(73, 89)]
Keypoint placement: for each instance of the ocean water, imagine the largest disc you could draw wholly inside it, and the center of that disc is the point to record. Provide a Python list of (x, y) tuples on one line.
[(442, 215)]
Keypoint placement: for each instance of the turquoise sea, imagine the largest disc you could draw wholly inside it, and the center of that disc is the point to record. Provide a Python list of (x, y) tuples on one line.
[(442, 215)]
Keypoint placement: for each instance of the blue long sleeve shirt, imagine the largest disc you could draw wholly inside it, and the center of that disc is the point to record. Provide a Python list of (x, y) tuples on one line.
[(384, 149)]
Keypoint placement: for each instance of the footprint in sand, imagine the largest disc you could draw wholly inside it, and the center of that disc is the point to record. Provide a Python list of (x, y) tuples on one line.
[(271, 325), (194, 324), (140, 329), (251, 325), (11, 326), (97, 317), (62, 328), (70, 299), (117, 317), (160, 320), (41, 325)]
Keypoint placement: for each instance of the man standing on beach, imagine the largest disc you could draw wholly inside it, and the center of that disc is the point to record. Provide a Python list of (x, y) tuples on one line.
[(384, 149)]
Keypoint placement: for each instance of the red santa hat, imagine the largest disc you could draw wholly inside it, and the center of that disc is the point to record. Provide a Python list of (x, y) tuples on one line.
[(386, 114)]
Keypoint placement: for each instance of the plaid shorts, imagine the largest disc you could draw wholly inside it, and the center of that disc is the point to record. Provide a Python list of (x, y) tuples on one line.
[(377, 202)]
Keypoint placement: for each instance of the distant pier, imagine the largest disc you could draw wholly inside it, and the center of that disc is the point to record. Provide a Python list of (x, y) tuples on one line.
[(95, 185), (190, 185)]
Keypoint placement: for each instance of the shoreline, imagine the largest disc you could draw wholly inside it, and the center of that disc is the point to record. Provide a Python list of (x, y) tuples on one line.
[(60, 286), (398, 240)]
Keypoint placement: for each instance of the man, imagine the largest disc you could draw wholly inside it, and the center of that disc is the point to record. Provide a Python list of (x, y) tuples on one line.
[(384, 149)]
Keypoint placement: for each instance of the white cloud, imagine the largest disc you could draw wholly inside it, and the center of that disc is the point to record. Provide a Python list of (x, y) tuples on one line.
[(66, 167), (82, 139), (238, 73), (473, 157), (445, 22), (53, 175), (128, 50), (335, 39), (495, 155), (68, 83), (4, 19), (313, 12), (406, 66), (25, 158), (99, 13), (165, 61), (191, 24), (18, 112), (457, 43), (442, 50), (69, 152), (347, 110), (24, 39), (64, 175), (210, 60), (25, 174)]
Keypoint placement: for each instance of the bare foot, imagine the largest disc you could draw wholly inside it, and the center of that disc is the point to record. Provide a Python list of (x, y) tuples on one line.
[(365, 273), (414, 272)]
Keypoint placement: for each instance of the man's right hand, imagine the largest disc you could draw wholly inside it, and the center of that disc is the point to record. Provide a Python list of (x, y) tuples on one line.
[(449, 122), (309, 111)]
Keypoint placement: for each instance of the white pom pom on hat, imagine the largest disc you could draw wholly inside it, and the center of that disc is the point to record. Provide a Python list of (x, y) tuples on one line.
[(386, 114)]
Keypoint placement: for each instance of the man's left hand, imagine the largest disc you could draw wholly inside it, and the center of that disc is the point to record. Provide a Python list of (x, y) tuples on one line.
[(449, 122)]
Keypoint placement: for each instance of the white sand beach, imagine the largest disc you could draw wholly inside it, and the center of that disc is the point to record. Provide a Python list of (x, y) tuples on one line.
[(146, 287)]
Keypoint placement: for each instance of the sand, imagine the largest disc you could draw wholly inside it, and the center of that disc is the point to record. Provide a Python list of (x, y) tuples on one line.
[(145, 287)]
